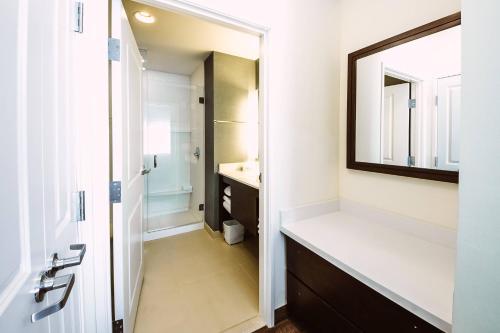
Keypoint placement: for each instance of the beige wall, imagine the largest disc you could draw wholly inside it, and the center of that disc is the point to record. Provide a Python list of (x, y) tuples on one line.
[(364, 23), (234, 78)]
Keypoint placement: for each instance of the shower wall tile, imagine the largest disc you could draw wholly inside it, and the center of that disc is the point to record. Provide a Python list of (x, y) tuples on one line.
[(167, 134)]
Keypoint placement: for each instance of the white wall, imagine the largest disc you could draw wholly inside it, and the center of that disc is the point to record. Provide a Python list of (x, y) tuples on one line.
[(431, 57), (477, 290), (304, 111), (368, 104), (427, 200), (197, 137)]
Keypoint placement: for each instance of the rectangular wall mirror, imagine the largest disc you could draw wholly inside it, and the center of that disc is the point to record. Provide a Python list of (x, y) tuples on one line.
[(404, 101)]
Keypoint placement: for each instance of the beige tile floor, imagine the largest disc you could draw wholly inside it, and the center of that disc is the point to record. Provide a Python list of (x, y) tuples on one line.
[(196, 283)]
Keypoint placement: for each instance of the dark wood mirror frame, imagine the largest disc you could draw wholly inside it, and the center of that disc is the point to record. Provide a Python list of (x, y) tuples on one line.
[(425, 30)]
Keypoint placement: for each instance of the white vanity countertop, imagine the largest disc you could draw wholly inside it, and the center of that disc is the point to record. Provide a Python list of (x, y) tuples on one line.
[(246, 173), (411, 271)]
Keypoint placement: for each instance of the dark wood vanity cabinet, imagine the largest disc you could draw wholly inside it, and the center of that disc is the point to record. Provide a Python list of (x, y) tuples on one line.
[(244, 204), (311, 312), (323, 298)]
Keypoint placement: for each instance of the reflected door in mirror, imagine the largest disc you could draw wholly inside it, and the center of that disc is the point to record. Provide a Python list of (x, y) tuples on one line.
[(449, 104), (404, 103), (396, 124)]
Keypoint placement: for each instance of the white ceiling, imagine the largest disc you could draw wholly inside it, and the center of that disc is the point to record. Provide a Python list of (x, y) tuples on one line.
[(178, 43)]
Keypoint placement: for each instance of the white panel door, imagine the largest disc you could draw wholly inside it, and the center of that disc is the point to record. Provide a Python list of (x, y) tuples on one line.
[(448, 123), (127, 128), (39, 168), (395, 124)]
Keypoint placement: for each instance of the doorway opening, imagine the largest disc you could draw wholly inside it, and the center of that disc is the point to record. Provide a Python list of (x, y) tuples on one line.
[(399, 139), (189, 244), (173, 142)]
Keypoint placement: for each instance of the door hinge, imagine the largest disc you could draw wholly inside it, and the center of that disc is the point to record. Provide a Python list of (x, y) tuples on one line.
[(115, 192), (78, 17), (260, 177), (79, 206), (435, 161), (412, 103), (113, 49), (118, 326), (411, 160), (436, 101)]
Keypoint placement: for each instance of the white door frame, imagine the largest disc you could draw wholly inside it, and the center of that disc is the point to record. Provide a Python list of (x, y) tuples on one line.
[(95, 97), (266, 301)]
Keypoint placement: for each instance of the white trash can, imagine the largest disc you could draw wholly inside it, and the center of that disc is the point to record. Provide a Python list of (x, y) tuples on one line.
[(233, 232)]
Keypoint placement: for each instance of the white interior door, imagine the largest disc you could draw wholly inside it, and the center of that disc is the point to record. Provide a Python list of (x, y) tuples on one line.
[(127, 128), (395, 124), (38, 141), (448, 122)]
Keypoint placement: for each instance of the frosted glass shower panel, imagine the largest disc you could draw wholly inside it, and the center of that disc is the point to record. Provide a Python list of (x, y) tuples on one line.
[(158, 130), (167, 142)]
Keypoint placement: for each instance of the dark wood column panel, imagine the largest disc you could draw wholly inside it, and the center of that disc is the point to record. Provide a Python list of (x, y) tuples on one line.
[(228, 81), (211, 188)]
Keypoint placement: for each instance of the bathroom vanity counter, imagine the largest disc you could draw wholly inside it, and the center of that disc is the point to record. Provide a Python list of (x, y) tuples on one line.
[(243, 204), (414, 273), (241, 173)]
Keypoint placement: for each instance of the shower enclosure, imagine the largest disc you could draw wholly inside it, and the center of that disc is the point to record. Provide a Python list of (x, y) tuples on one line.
[(173, 150)]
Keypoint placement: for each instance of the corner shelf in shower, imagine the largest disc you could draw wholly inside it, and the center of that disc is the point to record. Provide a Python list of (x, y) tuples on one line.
[(166, 193)]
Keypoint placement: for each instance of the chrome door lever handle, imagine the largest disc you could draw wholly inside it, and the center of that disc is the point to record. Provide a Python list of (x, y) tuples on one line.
[(145, 171), (50, 283), (58, 264)]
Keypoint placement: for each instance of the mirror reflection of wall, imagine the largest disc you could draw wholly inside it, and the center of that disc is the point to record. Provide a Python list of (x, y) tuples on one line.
[(408, 103)]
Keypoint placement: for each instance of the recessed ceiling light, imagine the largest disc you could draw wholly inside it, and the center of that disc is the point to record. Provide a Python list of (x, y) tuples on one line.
[(144, 17)]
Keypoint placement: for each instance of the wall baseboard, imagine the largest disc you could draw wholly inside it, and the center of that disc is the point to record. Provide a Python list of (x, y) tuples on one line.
[(280, 314), (211, 232), (153, 235), (422, 229), (309, 211)]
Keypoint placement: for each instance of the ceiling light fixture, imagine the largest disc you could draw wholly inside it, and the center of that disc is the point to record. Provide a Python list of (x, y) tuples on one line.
[(144, 17)]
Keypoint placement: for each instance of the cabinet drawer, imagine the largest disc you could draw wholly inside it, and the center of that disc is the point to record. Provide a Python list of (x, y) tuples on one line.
[(311, 312), (363, 306)]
